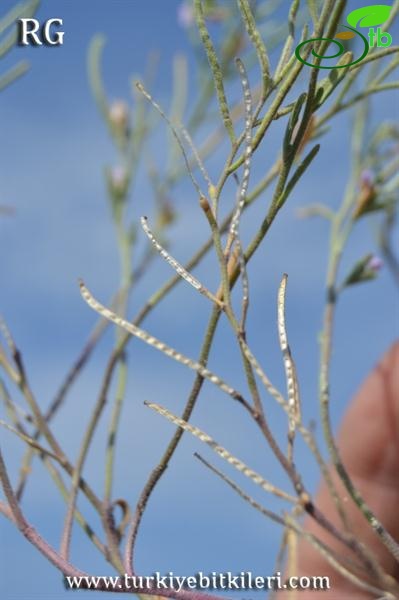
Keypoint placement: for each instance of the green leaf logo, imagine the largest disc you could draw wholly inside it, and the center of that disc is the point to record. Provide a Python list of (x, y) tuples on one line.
[(369, 16)]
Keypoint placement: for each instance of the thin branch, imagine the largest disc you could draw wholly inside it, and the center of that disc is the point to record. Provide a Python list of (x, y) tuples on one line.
[(197, 156), (157, 107)]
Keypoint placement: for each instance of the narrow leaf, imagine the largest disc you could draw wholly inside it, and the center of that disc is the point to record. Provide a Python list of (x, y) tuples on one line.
[(298, 174), (215, 68), (257, 42)]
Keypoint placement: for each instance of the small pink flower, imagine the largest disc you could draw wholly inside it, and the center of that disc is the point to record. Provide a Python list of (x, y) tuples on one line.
[(367, 178), (185, 15), (119, 114), (375, 264), (118, 177)]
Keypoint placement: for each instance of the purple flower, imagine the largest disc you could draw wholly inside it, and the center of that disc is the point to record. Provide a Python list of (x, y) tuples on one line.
[(367, 178), (185, 15), (375, 264)]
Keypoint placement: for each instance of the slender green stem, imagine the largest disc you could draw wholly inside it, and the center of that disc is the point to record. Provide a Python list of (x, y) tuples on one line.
[(159, 470), (340, 230)]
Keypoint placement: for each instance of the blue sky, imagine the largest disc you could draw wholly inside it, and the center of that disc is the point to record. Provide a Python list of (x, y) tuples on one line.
[(54, 149)]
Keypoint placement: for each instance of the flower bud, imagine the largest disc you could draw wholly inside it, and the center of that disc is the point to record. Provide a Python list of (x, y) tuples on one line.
[(365, 269), (118, 181), (375, 264), (119, 116), (367, 194), (166, 215)]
